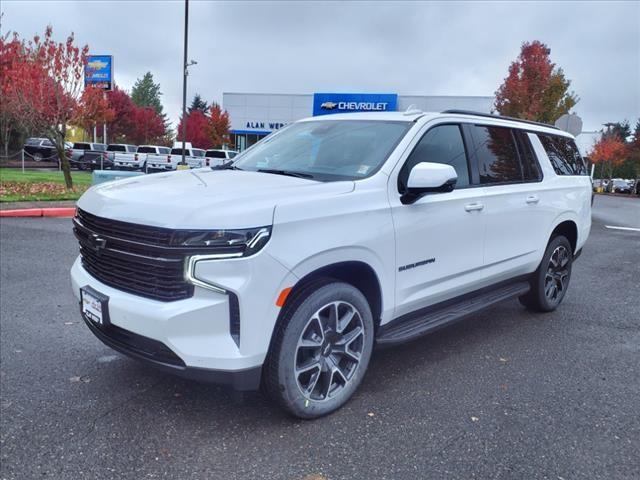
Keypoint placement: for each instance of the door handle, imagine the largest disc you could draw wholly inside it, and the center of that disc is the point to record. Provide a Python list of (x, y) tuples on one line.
[(470, 207), (533, 199)]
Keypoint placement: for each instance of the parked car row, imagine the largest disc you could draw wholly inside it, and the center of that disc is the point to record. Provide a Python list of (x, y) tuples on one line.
[(119, 156), (617, 185)]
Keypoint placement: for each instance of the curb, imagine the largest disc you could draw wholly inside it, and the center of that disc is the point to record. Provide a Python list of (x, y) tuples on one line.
[(40, 212)]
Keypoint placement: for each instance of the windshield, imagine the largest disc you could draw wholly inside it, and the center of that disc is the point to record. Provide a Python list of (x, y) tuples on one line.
[(326, 150)]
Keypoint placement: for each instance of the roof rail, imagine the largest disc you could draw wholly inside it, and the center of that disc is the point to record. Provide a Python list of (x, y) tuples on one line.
[(500, 117)]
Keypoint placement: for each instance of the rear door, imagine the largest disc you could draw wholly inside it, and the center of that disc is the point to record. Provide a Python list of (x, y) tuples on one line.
[(517, 210), (440, 237)]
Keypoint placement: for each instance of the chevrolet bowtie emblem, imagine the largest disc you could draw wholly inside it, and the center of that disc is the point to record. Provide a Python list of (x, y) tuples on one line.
[(98, 243), (328, 105)]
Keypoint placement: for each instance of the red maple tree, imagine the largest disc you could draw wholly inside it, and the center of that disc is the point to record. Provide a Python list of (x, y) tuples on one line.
[(535, 88), (220, 125), (207, 131), (198, 130), (147, 126), (44, 85), (93, 109), (608, 152), (122, 124)]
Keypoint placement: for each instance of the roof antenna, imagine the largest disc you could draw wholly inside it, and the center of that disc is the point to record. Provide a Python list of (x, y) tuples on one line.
[(412, 110)]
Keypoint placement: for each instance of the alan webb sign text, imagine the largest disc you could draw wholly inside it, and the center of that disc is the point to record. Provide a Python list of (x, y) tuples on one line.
[(326, 103)]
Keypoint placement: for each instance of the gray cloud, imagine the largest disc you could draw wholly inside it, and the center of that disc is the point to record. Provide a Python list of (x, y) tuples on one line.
[(409, 48)]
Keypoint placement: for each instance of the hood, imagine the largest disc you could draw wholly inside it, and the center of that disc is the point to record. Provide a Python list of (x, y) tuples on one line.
[(202, 198)]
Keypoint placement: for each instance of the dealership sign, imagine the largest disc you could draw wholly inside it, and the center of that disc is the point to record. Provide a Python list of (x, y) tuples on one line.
[(326, 103), (98, 71)]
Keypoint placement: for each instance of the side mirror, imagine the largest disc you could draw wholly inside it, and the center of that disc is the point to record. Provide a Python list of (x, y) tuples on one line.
[(426, 177)]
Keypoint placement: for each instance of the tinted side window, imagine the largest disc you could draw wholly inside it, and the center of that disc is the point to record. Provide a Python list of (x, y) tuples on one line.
[(497, 155), (530, 165), (441, 144), (563, 154)]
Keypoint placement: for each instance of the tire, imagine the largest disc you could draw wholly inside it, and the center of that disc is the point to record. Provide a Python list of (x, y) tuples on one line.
[(315, 364), (551, 280)]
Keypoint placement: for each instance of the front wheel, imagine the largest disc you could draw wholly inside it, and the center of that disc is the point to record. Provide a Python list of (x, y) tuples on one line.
[(321, 350), (551, 280)]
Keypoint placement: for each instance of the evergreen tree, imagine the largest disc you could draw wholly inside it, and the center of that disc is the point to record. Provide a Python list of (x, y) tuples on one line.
[(146, 93), (198, 104)]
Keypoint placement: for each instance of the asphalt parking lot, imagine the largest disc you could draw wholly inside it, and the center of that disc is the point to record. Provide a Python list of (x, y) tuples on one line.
[(505, 394)]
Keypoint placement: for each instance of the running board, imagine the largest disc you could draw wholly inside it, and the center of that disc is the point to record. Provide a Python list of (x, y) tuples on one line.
[(414, 325)]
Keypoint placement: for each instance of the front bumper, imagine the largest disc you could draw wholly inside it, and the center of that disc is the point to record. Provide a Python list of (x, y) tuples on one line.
[(159, 356), (192, 337)]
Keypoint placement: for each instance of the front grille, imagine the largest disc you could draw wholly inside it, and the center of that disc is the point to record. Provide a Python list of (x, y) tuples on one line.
[(134, 258)]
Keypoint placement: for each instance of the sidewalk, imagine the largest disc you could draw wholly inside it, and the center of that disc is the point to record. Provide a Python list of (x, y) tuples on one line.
[(61, 209), (22, 205)]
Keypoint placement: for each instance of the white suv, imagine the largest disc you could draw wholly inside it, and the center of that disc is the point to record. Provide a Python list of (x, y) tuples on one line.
[(338, 232)]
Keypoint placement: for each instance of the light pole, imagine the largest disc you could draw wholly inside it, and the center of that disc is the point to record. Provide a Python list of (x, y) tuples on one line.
[(185, 72)]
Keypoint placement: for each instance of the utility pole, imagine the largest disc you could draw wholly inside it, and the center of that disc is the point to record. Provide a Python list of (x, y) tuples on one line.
[(184, 81)]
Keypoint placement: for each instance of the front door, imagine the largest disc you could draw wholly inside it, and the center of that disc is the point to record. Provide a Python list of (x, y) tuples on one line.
[(440, 237)]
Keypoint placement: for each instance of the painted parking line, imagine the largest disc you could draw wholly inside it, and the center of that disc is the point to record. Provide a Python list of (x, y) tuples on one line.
[(630, 229)]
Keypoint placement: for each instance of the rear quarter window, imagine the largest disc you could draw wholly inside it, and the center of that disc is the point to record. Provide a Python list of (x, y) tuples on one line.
[(563, 155), (146, 150)]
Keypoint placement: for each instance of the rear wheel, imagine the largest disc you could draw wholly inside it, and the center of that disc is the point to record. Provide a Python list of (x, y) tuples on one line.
[(551, 280), (321, 350)]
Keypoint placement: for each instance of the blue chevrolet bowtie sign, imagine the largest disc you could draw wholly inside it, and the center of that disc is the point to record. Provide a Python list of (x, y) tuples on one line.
[(98, 71), (326, 103)]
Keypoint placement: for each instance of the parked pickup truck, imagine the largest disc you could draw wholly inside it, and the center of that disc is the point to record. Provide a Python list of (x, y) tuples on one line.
[(150, 154), (122, 155), (215, 157), (83, 155), (194, 158)]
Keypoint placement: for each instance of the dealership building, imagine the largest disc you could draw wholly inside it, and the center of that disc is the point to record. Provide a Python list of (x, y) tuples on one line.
[(255, 115)]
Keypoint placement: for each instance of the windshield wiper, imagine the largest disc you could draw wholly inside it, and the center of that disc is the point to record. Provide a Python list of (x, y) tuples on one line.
[(226, 166), (289, 173)]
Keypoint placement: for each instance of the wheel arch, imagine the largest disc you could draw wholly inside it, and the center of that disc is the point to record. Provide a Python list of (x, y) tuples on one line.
[(569, 229)]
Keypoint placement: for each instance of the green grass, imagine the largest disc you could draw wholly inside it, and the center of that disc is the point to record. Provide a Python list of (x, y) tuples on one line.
[(36, 176), (16, 186)]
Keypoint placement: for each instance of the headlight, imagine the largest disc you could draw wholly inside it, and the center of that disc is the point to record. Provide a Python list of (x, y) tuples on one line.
[(245, 241)]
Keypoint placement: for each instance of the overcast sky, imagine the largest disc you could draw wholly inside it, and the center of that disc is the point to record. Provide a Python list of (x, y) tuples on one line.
[(429, 48)]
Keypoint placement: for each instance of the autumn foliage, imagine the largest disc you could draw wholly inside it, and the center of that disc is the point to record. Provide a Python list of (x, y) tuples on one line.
[(206, 130), (535, 88), (43, 91), (609, 152)]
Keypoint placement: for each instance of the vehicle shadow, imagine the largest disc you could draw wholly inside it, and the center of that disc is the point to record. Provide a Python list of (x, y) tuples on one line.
[(215, 409)]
